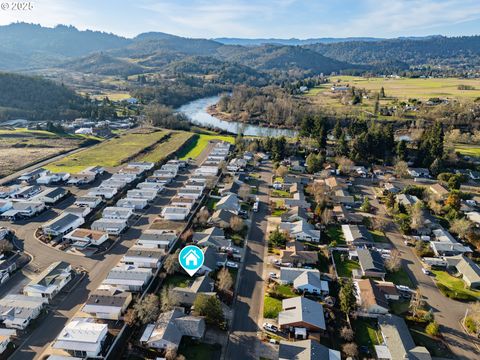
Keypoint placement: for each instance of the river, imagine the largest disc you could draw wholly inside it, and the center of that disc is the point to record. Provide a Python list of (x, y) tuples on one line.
[(196, 111)]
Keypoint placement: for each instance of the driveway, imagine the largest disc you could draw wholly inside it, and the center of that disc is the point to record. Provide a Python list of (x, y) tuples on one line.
[(448, 312), (243, 342)]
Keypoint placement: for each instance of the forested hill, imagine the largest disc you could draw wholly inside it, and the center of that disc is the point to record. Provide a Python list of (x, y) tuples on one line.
[(458, 52), (34, 98)]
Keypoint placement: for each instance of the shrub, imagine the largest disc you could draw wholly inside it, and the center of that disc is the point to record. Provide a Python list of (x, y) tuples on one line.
[(432, 329)]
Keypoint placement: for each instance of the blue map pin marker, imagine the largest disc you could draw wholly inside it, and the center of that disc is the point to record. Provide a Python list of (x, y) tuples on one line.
[(191, 259)]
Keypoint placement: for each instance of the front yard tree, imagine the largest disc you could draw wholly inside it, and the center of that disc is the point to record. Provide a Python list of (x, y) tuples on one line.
[(236, 223), (432, 329), (416, 216), (281, 171), (277, 238), (224, 279), (211, 308), (148, 309), (171, 264), (394, 262), (401, 169), (347, 333), (402, 151), (348, 300), (461, 227), (350, 349), (366, 207), (314, 163)]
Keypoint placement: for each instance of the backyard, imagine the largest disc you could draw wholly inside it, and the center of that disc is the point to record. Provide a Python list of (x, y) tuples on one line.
[(346, 266), (366, 333), (399, 277), (453, 287), (334, 233), (192, 349), (109, 153)]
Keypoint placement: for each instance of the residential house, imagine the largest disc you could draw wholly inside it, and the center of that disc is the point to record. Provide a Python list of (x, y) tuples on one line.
[(398, 343), (89, 201), (301, 231), (236, 165), (298, 199), (370, 299), (128, 277), (52, 178), (62, 224), (134, 204), (212, 260), (189, 193), (157, 239), (104, 192), (295, 213), (24, 209), (182, 202), (474, 216), (107, 303), (110, 226), (96, 170), (27, 192), (419, 172), (371, 264), (206, 170), (357, 235), (114, 184), (52, 195), (335, 183), (50, 281), (33, 175), (5, 205), (149, 194), (343, 215), (342, 196), (17, 311), (170, 328), (221, 218), (142, 257), (142, 165), (123, 178), (200, 285), (406, 200), (296, 253), (213, 236), (467, 268), (151, 186), (196, 185), (439, 190), (306, 350), (449, 248), (81, 179), (175, 213), (117, 213), (82, 238), (305, 280), (8, 191), (300, 312), (389, 187), (82, 337)]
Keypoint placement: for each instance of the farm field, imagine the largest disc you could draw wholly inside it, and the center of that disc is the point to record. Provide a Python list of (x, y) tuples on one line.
[(164, 149), (201, 143), (109, 153), (22, 147)]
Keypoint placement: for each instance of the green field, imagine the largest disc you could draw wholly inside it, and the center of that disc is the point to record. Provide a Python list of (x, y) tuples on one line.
[(164, 149), (455, 288), (109, 153), (468, 150), (405, 88), (201, 142)]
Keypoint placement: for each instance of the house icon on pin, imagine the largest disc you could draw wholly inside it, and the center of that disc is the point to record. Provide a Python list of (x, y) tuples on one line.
[(191, 258)]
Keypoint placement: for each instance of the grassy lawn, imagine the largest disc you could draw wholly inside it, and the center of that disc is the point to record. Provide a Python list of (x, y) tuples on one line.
[(378, 236), (334, 233), (192, 349), (164, 149), (399, 277), (201, 142), (399, 307), (453, 287), (278, 212), (323, 263), (175, 280), (281, 194), (211, 202), (434, 346), (271, 307), (468, 150), (286, 291), (344, 268), (278, 179), (108, 153), (366, 333)]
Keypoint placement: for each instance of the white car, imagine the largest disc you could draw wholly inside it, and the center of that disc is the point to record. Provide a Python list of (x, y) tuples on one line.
[(231, 264), (270, 327), (426, 272), (272, 275)]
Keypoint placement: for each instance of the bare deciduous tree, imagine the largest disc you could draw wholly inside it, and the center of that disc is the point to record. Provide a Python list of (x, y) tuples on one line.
[(147, 310), (346, 333), (417, 217), (236, 223), (171, 264), (244, 192), (350, 349), (168, 299), (345, 165), (202, 216), (225, 280), (461, 227), (394, 262), (401, 169)]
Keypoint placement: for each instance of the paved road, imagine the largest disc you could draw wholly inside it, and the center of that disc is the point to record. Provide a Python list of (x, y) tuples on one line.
[(243, 339), (448, 312)]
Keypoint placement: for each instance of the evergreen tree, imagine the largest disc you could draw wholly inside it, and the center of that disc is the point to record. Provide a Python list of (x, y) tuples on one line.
[(337, 130), (402, 151)]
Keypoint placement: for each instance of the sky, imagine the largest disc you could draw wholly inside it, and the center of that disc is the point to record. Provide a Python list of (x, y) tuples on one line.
[(258, 18)]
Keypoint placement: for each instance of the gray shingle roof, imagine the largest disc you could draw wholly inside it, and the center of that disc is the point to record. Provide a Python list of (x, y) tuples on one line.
[(370, 260), (301, 309)]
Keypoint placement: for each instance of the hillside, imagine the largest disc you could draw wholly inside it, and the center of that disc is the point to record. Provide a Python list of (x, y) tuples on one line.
[(34, 98), (104, 64)]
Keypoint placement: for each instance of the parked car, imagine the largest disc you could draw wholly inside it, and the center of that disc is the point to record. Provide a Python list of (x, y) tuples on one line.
[(231, 264), (273, 275), (270, 327), (426, 271)]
